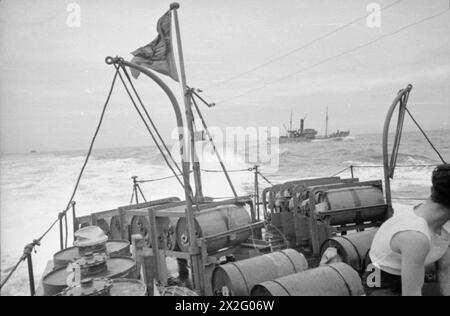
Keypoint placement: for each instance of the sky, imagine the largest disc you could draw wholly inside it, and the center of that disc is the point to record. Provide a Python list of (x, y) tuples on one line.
[(54, 81)]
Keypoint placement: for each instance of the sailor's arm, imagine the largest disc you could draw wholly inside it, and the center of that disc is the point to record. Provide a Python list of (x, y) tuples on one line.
[(413, 247), (443, 273)]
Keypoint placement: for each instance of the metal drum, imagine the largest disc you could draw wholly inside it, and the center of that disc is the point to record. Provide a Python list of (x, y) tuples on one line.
[(116, 228), (128, 287), (238, 278), (351, 249), (118, 267), (114, 248), (214, 221), (55, 282), (166, 230), (118, 248), (350, 198), (337, 279), (89, 287)]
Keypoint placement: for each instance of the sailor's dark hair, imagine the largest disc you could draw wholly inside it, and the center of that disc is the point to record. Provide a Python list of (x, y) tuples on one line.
[(440, 191)]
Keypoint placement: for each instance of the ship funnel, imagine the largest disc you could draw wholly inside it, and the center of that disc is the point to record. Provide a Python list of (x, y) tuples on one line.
[(302, 123)]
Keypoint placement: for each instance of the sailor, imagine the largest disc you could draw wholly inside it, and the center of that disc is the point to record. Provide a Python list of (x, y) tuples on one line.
[(407, 243)]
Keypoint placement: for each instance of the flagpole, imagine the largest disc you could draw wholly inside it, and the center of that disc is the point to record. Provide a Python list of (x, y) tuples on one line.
[(188, 107), (196, 259)]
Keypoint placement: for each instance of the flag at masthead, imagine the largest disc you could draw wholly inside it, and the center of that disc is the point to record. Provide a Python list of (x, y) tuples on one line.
[(158, 54)]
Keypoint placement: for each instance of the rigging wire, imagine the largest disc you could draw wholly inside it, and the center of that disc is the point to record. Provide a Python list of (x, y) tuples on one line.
[(22, 258), (158, 179), (36, 242), (219, 158), (148, 127), (338, 173), (264, 178), (310, 43), (425, 135), (91, 146), (150, 120), (381, 166), (235, 170), (204, 170), (337, 56)]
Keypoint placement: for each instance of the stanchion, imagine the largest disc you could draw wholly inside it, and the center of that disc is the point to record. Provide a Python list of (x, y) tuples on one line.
[(27, 252), (61, 233), (257, 191), (74, 219)]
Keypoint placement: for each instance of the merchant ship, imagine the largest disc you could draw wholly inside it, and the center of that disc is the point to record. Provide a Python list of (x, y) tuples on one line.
[(337, 136), (301, 134)]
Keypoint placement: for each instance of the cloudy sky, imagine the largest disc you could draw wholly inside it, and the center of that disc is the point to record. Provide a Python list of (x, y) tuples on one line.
[(249, 57)]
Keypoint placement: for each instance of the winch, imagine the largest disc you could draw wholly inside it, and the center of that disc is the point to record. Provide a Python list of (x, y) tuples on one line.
[(166, 230), (118, 267), (89, 287), (307, 212), (128, 287), (91, 264), (90, 239), (114, 248), (106, 287), (86, 263)]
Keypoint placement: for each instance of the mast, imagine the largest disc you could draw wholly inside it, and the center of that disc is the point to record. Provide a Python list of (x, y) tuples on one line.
[(326, 123), (195, 256), (188, 108)]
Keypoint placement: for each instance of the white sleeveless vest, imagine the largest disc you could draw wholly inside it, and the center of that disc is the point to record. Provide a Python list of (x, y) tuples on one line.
[(381, 253)]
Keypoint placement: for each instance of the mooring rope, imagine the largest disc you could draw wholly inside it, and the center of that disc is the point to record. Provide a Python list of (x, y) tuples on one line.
[(36, 242)]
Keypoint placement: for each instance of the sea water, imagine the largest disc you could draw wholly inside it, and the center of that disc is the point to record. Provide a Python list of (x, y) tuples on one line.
[(35, 187)]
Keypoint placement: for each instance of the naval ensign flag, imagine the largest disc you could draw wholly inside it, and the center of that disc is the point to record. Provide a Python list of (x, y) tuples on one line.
[(158, 55)]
